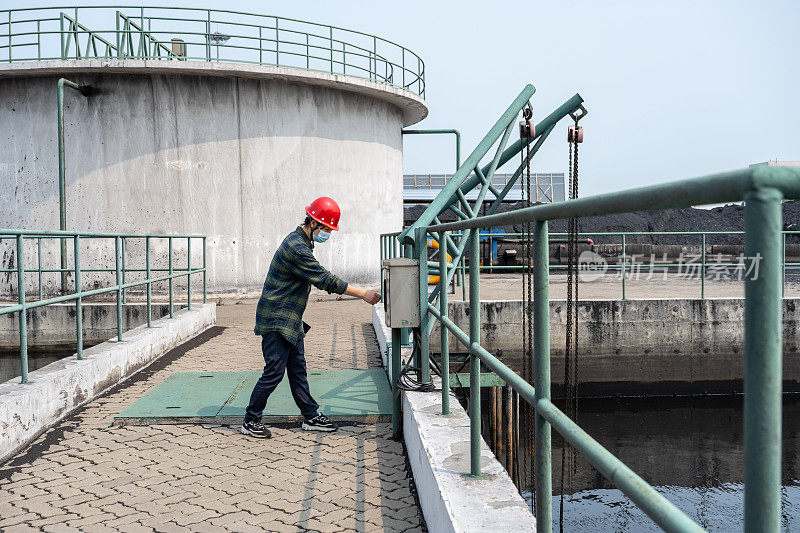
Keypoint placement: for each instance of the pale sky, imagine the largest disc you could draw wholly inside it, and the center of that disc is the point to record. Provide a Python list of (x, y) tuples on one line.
[(674, 89)]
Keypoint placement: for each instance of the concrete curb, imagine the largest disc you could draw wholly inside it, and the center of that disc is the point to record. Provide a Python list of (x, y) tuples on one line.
[(61, 387), (438, 450)]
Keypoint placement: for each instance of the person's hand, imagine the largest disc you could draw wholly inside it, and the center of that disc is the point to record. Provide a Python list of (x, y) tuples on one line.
[(371, 297)]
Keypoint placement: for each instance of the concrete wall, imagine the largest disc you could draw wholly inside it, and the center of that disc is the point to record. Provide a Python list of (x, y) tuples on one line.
[(54, 325), (639, 346), (236, 158), (59, 388)]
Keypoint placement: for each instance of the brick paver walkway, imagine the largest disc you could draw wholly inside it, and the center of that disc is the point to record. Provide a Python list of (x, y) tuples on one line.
[(86, 475)]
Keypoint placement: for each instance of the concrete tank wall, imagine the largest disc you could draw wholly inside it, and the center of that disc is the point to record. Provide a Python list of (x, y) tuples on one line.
[(231, 157)]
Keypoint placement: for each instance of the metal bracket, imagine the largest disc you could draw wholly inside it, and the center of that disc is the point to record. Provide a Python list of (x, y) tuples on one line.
[(575, 117)]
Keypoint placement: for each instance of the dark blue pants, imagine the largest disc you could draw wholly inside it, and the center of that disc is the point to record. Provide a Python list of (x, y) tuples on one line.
[(281, 356)]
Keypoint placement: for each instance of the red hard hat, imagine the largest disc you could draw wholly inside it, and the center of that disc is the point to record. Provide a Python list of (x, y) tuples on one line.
[(325, 211)]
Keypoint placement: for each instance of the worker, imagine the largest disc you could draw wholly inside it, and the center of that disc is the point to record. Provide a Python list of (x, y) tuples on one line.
[(279, 316)]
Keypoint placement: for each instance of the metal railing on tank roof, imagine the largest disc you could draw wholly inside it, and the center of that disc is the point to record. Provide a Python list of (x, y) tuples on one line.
[(181, 34), (119, 272)]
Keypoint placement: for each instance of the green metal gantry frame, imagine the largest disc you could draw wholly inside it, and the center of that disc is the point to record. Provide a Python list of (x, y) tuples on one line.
[(762, 188)]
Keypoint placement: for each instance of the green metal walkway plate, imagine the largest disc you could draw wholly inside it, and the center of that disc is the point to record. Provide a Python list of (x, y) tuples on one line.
[(221, 397)]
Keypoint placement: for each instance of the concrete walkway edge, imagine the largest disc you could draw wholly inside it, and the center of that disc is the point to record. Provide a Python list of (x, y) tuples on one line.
[(438, 450), (61, 387)]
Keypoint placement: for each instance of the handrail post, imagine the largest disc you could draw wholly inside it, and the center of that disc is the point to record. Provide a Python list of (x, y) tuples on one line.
[(124, 270), (541, 353), (189, 273), (783, 264), (474, 361), (703, 270), (205, 277), (763, 359), (396, 408), (421, 253), (624, 265), (79, 300), (23, 322), (39, 259), (117, 250), (171, 311), (147, 269), (445, 338)]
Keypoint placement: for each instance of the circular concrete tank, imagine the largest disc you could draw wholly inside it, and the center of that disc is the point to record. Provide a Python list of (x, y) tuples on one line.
[(231, 151)]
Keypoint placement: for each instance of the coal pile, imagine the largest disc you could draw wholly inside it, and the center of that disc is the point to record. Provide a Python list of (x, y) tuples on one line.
[(727, 218)]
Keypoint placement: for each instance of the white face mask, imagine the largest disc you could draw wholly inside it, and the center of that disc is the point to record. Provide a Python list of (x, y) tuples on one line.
[(322, 236)]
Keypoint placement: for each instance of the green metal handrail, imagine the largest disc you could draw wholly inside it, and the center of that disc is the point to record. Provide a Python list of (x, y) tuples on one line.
[(182, 33), (388, 242), (762, 188), (79, 294)]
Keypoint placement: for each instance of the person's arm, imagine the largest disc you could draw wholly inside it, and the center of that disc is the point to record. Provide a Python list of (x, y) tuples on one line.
[(309, 269), (370, 297)]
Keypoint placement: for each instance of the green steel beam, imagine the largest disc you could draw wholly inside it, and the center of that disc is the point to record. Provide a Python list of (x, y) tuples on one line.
[(543, 130), (448, 192)]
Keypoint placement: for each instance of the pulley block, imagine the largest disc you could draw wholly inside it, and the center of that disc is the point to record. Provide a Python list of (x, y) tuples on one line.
[(527, 129), (572, 133)]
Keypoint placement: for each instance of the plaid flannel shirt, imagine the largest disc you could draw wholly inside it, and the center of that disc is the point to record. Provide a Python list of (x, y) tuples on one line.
[(292, 272)]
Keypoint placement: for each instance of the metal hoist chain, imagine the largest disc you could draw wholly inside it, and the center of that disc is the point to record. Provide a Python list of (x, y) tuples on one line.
[(527, 132), (569, 455)]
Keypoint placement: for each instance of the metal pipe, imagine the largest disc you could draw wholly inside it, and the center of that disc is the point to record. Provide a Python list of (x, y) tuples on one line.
[(23, 324), (437, 132), (474, 361), (763, 359), (541, 355), (78, 301), (421, 253), (62, 202), (445, 336), (396, 409)]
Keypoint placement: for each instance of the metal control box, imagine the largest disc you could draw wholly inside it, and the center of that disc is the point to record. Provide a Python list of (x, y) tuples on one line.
[(400, 278)]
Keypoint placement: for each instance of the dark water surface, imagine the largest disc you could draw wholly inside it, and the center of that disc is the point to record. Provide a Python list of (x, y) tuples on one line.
[(37, 358), (690, 450)]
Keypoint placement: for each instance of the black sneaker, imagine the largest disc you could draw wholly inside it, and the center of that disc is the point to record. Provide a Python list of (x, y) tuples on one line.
[(318, 423), (255, 429)]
